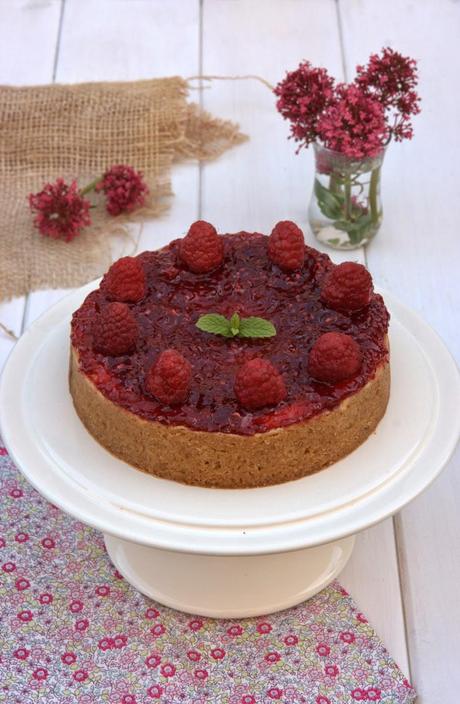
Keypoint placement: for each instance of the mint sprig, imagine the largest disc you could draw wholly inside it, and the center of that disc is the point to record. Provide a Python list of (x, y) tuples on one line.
[(215, 323), (235, 326)]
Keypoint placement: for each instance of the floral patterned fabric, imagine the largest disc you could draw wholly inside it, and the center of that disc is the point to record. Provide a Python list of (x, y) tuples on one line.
[(73, 631)]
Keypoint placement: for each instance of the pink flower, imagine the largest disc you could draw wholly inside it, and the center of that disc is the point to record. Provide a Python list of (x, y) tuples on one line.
[(302, 97), (68, 658), (331, 670), (218, 653), (361, 618), (82, 624), (21, 537), (347, 637), (392, 79), (275, 693), (153, 660), (119, 641), (272, 657), (45, 598), (16, 493), (264, 628), (25, 615), (151, 613), (2, 542), (124, 188), (201, 674), (103, 590), (21, 653), (8, 567), (76, 606), (105, 644), (61, 212), (196, 624), (354, 124), (374, 694), (40, 674), (3, 451), (194, 655), (155, 691), (248, 699), (291, 640), (48, 543), (80, 675), (168, 670), (22, 584), (323, 649), (157, 630), (235, 630), (128, 699), (321, 699), (359, 695)]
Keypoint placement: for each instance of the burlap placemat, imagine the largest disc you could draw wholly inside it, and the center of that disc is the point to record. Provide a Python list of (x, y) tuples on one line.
[(78, 131)]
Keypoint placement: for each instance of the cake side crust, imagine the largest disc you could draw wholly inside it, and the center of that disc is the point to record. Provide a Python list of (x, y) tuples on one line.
[(215, 459)]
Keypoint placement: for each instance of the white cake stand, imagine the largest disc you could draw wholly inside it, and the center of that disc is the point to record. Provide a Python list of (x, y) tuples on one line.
[(220, 552)]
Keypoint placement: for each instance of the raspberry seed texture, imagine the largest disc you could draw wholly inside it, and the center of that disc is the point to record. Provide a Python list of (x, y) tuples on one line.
[(258, 383), (334, 357), (348, 287), (169, 379), (125, 281), (115, 331), (202, 249), (286, 246)]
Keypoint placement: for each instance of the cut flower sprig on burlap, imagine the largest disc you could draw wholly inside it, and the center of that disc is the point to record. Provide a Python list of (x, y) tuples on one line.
[(350, 125), (61, 210)]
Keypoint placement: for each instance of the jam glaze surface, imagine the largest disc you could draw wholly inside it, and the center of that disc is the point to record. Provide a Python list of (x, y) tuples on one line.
[(247, 283)]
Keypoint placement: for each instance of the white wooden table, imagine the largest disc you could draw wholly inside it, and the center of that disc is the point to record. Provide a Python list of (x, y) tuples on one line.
[(405, 572)]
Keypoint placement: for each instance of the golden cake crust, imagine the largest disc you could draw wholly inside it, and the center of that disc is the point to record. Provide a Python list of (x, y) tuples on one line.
[(215, 459)]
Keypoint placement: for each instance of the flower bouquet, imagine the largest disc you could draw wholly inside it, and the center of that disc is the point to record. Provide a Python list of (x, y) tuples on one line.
[(350, 126)]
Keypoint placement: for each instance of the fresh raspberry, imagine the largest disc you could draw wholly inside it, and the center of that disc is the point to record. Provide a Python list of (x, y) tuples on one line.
[(125, 281), (286, 246), (347, 287), (334, 357), (202, 249), (259, 384), (115, 331), (169, 379)]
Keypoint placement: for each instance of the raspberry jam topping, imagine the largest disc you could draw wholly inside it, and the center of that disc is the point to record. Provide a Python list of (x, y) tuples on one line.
[(248, 283)]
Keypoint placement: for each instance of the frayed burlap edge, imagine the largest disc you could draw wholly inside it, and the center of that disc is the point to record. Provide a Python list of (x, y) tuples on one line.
[(77, 132)]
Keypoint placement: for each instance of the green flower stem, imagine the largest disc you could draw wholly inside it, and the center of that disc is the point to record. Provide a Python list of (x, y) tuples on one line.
[(91, 186), (347, 204), (334, 183), (373, 192)]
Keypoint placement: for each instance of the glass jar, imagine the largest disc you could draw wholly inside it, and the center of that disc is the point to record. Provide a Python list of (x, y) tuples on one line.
[(345, 209)]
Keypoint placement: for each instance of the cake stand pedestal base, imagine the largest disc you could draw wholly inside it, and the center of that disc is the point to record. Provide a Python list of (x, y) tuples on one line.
[(228, 586)]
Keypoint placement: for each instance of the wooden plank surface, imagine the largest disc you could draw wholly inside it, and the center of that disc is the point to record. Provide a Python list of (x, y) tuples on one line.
[(28, 42), (416, 256)]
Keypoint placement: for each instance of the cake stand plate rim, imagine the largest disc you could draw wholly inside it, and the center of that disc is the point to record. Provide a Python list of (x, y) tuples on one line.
[(234, 540)]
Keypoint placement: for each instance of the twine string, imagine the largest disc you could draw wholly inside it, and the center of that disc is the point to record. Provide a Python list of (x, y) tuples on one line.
[(8, 332), (251, 77)]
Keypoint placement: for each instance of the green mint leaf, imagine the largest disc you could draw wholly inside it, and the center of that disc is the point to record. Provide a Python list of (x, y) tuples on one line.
[(256, 327), (215, 323), (235, 324)]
